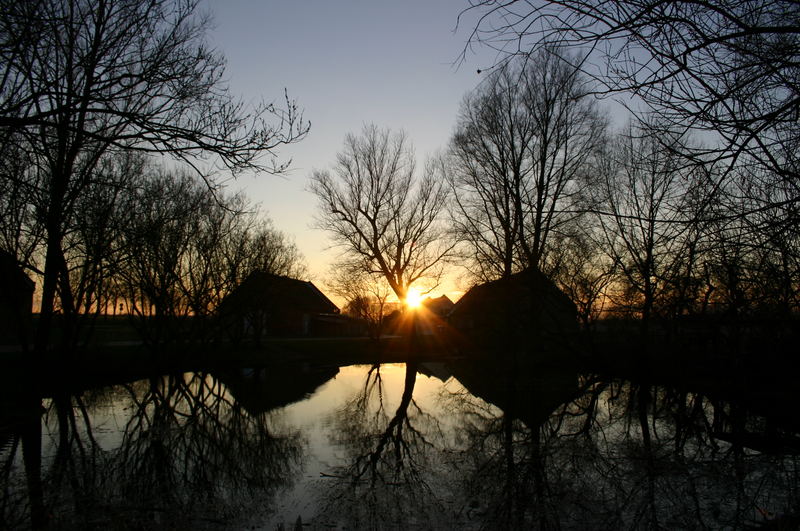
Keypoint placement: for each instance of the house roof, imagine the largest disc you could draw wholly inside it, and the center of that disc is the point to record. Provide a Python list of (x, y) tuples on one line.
[(279, 292), (518, 292), (11, 274), (441, 305), (524, 312)]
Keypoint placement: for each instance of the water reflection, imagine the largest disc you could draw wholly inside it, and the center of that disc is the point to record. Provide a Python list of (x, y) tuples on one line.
[(464, 444), (619, 455), (390, 455), (173, 452), (502, 465)]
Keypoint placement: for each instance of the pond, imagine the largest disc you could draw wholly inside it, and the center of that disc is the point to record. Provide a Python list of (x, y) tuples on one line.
[(439, 445)]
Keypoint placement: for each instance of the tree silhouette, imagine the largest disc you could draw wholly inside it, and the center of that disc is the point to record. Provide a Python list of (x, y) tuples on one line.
[(83, 78), (380, 212), (521, 153), (729, 69)]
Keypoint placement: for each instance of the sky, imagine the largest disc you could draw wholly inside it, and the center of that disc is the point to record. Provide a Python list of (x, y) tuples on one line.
[(347, 63)]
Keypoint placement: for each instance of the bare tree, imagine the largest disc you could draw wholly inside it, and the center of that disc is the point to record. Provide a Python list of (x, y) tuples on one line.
[(644, 222), (583, 271), (20, 227), (380, 212), (81, 78), (92, 246), (751, 263), (264, 248), (185, 248), (365, 296), (487, 173), (723, 72), (728, 69), (522, 147)]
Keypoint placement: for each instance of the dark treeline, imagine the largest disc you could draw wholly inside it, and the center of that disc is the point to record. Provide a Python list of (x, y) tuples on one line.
[(691, 208), (155, 244), (626, 222), (92, 94)]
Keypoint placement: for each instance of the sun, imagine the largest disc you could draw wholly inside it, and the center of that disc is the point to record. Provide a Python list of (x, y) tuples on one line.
[(413, 298)]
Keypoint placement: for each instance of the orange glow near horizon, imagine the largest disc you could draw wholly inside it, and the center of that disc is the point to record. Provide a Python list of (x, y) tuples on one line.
[(413, 298)]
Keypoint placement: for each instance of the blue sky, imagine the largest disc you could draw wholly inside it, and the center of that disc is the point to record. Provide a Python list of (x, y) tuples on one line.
[(347, 63)]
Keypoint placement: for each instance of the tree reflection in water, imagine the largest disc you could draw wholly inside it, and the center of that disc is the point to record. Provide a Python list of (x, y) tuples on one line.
[(189, 457), (500, 470), (387, 479), (619, 455), (531, 448), (189, 447)]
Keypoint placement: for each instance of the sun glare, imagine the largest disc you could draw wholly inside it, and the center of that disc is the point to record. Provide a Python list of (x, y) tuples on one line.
[(413, 298)]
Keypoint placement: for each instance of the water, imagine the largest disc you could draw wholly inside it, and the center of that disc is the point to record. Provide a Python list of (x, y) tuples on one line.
[(463, 445)]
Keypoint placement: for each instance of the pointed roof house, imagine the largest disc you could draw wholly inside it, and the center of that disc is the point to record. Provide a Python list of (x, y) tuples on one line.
[(523, 309), (440, 306), (273, 305), (16, 300)]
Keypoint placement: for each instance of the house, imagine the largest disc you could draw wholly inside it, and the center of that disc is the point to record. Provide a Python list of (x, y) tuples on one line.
[(440, 306), (523, 309), (16, 301), (267, 305), (431, 319)]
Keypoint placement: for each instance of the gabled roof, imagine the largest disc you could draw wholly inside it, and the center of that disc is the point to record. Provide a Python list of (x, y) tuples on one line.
[(524, 312), (261, 288), (441, 305), (517, 292), (12, 275)]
